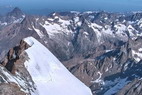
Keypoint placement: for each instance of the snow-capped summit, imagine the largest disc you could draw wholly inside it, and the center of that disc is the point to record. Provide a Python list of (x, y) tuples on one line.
[(48, 73)]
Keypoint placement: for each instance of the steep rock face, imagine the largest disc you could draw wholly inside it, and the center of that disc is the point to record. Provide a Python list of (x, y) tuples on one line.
[(16, 12), (11, 36), (113, 71), (13, 57), (18, 74)]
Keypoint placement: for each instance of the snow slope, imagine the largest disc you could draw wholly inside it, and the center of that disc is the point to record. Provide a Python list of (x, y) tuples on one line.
[(48, 73)]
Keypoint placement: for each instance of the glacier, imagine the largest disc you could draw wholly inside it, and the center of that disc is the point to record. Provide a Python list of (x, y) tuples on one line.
[(49, 75)]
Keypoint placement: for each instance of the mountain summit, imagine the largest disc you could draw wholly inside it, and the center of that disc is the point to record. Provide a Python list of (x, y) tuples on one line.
[(47, 72), (16, 12)]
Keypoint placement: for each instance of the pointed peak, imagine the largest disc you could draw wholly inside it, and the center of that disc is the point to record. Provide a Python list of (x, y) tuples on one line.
[(16, 9), (16, 12)]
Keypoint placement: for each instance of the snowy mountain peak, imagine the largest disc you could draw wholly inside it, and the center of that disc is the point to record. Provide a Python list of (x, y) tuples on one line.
[(48, 73)]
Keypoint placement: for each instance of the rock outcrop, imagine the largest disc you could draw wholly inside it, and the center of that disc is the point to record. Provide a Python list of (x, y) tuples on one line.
[(13, 65)]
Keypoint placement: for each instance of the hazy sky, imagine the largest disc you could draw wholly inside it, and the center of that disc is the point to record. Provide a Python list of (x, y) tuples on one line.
[(74, 5)]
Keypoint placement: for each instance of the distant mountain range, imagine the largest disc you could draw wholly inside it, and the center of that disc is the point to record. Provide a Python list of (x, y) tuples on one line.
[(102, 49)]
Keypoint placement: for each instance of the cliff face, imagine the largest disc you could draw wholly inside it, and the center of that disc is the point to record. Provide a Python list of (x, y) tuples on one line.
[(14, 59), (18, 81)]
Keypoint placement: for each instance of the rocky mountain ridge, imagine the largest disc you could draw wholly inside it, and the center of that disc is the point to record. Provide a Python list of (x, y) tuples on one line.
[(102, 49), (14, 76)]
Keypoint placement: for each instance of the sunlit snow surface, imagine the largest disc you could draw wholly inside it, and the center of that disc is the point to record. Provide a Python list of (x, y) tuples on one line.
[(48, 73)]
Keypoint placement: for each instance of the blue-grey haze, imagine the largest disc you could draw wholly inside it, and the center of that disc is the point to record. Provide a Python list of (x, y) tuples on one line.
[(46, 6)]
